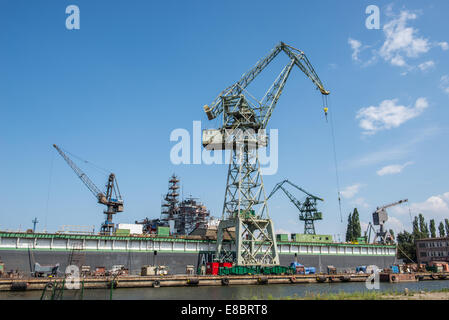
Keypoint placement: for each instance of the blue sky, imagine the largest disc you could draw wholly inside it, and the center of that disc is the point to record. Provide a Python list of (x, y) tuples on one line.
[(113, 91)]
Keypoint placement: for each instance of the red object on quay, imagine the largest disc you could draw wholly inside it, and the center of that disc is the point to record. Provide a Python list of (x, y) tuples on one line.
[(212, 268)]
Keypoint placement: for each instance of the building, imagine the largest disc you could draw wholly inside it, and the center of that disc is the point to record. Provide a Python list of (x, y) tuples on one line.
[(432, 249)]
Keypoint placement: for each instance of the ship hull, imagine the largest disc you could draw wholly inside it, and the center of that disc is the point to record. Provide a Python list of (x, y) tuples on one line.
[(19, 260), (19, 251)]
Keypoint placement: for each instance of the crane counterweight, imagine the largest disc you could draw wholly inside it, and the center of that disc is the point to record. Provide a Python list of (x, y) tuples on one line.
[(380, 216)]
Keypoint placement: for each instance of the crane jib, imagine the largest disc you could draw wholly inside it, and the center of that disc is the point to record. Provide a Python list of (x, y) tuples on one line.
[(300, 60), (114, 205)]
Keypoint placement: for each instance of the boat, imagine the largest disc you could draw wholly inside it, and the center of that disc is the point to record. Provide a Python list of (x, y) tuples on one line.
[(20, 250)]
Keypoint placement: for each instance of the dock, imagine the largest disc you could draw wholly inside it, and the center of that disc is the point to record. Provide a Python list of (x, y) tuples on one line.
[(23, 284)]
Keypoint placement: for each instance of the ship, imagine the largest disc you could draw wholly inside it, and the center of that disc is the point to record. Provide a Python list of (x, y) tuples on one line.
[(19, 251), (184, 235)]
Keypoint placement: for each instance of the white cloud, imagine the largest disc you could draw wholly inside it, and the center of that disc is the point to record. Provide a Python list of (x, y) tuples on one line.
[(426, 65), (444, 83), (355, 46), (282, 231), (444, 45), (395, 224), (438, 204), (394, 151), (388, 115), (402, 40), (360, 203), (385, 154), (393, 169), (435, 207), (350, 191)]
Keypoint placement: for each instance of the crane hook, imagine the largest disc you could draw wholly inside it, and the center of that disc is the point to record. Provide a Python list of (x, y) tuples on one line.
[(325, 112)]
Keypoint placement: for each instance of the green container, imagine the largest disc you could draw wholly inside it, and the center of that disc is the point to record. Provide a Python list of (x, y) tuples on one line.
[(224, 271), (266, 270), (282, 237), (122, 232), (163, 231), (299, 237), (432, 269), (361, 240)]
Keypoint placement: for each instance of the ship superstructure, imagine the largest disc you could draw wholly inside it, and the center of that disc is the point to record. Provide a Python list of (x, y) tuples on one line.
[(182, 217)]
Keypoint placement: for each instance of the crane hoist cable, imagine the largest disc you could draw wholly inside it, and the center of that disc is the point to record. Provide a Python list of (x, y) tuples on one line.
[(326, 112), (48, 190), (103, 170), (410, 213)]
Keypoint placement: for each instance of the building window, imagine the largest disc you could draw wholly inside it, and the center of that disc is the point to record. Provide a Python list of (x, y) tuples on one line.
[(423, 254)]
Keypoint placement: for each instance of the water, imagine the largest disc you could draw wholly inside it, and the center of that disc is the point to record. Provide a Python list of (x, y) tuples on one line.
[(228, 292)]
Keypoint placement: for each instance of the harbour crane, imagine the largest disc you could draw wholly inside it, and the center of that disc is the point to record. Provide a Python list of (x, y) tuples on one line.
[(112, 198), (380, 216), (307, 210), (34, 221), (242, 131)]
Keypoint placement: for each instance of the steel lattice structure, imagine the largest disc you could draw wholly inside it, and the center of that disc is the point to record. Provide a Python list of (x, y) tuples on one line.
[(243, 132), (308, 211), (112, 198)]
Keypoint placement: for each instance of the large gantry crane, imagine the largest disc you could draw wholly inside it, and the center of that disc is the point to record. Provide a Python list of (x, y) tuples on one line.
[(307, 209), (380, 216), (112, 198), (244, 120)]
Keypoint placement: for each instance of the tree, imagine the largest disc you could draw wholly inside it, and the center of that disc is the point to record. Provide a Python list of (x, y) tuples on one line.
[(441, 229), (416, 231), (446, 225), (349, 229), (423, 227), (433, 230), (406, 246), (356, 228)]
